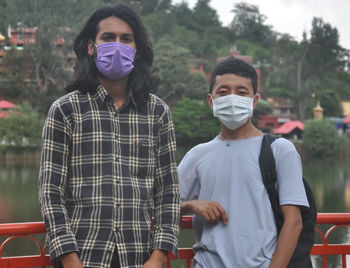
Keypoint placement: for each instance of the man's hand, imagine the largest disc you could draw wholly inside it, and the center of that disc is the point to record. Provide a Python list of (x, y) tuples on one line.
[(71, 260), (211, 211), (157, 259)]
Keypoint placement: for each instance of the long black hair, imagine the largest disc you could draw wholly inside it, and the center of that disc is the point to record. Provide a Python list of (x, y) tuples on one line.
[(141, 80)]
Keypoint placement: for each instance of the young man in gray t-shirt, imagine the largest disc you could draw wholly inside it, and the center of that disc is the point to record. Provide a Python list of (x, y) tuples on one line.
[(220, 181)]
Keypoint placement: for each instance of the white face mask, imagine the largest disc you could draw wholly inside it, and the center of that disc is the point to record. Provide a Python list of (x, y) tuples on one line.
[(233, 110)]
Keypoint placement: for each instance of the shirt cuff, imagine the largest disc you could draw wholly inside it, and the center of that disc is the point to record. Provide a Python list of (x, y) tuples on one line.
[(62, 244), (166, 242)]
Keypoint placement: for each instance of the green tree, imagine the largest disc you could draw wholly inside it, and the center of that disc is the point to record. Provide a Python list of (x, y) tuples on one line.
[(194, 122), (320, 138), (18, 69), (155, 25), (204, 16), (330, 103), (174, 64), (261, 108), (259, 53), (324, 50), (23, 126), (248, 24)]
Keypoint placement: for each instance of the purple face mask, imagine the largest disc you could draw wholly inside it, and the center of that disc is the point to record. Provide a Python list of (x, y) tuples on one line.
[(115, 60)]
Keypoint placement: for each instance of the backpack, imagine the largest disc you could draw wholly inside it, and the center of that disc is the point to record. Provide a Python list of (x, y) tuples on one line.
[(301, 255)]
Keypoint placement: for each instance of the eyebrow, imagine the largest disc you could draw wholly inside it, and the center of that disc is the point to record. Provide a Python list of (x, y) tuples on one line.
[(223, 86), (113, 34)]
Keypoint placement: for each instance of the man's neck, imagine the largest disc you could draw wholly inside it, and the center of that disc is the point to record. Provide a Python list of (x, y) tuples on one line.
[(116, 89), (248, 130)]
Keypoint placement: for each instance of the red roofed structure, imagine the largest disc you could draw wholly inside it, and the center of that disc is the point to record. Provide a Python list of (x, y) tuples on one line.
[(290, 129), (5, 105), (347, 119)]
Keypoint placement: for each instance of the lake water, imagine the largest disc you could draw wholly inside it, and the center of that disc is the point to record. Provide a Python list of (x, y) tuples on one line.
[(330, 181)]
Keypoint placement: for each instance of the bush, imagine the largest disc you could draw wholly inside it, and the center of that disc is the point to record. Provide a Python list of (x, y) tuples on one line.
[(320, 138), (194, 122), (23, 127)]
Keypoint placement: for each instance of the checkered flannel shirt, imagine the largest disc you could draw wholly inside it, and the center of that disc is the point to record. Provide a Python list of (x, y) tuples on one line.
[(104, 174)]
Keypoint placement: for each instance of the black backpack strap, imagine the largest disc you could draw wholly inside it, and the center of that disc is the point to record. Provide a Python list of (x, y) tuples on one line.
[(269, 175)]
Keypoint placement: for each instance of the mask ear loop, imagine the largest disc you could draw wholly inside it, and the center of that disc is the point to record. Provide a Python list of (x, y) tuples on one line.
[(94, 57)]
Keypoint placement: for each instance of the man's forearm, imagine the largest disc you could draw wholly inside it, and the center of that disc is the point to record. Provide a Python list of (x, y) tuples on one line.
[(286, 243), (186, 207)]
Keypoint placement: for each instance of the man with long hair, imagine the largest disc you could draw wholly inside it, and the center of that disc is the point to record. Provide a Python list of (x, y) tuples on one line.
[(108, 154)]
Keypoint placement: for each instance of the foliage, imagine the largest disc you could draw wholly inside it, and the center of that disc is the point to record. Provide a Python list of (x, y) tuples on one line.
[(194, 121), (261, 108), (18, 65), (320, 138), (248, 24), (259, 53), (173, 64), (324, 50), (330, 103), (22, 127), (186, 41)]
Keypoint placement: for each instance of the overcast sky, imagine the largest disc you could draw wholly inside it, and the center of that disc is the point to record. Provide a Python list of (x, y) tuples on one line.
[(292, 16)]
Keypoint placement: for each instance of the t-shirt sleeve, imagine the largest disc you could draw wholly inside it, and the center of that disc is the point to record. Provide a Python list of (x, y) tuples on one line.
[(290, 184), (188, 179)]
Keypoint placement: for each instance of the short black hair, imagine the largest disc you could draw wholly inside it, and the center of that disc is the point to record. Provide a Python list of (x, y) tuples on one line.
[(235, 66), (141, 80)]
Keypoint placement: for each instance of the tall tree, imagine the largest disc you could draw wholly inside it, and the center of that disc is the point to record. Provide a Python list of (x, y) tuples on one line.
[(248, 24), (324, 52)]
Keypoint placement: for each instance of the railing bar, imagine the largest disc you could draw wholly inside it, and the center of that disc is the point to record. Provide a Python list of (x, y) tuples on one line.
[(188, 263), (324, 261), (338, 219)]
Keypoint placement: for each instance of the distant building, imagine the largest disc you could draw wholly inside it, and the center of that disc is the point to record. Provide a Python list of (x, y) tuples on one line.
[(20, 36), (5, 107), (346, 106), (234, 52), (282, 112), (290, 130), (2, 52)]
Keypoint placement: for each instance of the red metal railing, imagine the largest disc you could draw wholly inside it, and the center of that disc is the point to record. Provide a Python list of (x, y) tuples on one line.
[(14, 230)]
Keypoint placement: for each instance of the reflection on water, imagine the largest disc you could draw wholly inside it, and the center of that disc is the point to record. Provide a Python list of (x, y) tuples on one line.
[(329, 180), (18, 193)]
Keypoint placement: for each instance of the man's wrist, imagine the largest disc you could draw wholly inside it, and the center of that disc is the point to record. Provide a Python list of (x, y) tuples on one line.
[(160, 254), (187, 207), (70, 258)]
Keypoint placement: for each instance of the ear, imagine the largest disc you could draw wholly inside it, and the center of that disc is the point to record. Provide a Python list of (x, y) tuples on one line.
[(210, 101), (91, 47), (256, 99)]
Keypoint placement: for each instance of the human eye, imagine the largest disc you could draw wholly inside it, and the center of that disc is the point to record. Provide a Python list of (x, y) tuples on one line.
[(127, 39), (108, 38), (222, 92), (242, 92)]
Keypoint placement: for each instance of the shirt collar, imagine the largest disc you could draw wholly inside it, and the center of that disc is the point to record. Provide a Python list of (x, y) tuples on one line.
[(102, 96)]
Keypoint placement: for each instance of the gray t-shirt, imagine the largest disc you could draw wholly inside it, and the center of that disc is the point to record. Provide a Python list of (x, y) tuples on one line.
[(228, 172)]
